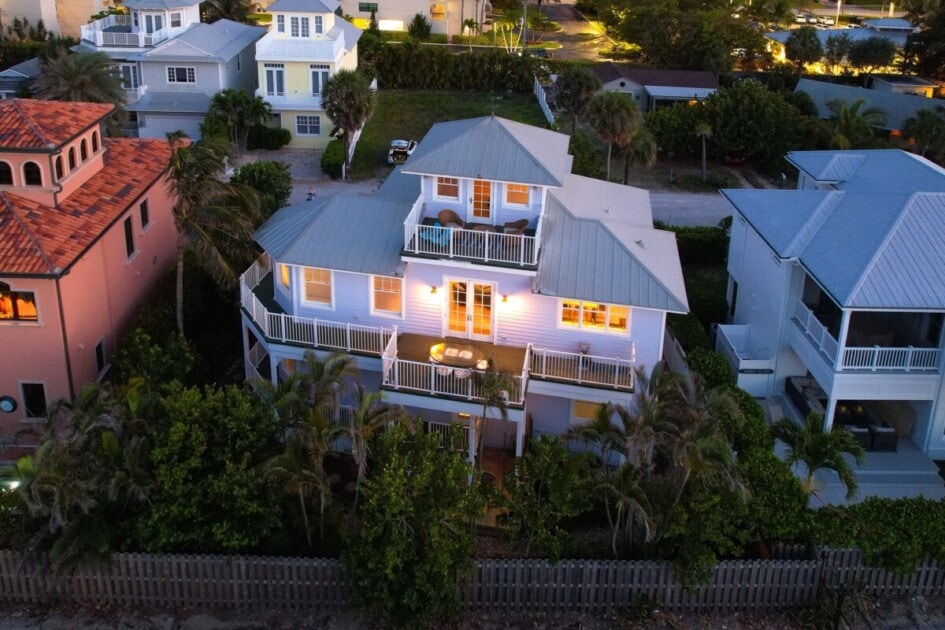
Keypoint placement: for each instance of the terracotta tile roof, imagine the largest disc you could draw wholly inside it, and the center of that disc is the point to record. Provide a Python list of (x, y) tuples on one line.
[(31, 124), (664, 77), (37, 239)]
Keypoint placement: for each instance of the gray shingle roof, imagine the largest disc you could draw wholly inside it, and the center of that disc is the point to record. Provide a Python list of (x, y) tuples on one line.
[(217, 42), (304, 6), (898, 107), (180, 102), (495, 149), (349, 233)]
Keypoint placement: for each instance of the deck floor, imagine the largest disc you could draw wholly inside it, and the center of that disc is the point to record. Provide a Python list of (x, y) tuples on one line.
[(414, 347)]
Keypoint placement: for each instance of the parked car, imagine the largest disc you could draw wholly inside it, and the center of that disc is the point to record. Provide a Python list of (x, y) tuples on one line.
[(827, 21), (400, 150)]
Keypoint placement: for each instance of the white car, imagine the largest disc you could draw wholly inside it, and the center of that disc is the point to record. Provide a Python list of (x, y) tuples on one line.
[(400, 150)]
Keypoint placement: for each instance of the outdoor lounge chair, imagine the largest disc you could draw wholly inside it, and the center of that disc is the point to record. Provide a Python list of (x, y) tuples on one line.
[(450, 219), (515, 227), (435, 237)]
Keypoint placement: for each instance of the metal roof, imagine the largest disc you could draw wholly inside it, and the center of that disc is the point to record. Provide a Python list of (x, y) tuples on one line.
[(668, 77), (349, 233), (662, 91), (178, 102), (898, 107), (25, 69), (149, 5), (400, 187), (617, 259), (878, 170), (495, 149), (304, 6), (217, 42)]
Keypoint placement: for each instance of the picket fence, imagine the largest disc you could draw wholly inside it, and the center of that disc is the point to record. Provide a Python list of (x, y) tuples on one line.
[(595, 586)]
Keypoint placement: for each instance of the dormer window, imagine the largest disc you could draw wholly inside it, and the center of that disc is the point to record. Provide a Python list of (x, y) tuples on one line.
[(6, 174), (280, 24), (59, 167), (94, 141), (32, 175), (84, 150), (447, 188)]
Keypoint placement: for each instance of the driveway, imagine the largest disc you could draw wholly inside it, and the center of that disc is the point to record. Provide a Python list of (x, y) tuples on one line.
[(690, 208), (579, 39)]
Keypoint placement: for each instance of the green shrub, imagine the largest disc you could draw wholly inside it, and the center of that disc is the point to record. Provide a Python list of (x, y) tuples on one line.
[(333, 159), (688, 331), (269, 138), (588, 160), (712, 366), (420, 27), (157, 363), (699, 244), (271, 179), (415, 67), (753, 433), (777, 504)]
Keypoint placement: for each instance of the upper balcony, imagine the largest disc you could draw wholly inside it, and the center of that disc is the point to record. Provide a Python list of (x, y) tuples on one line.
[(115, 31), (503, 245), (296, 101)]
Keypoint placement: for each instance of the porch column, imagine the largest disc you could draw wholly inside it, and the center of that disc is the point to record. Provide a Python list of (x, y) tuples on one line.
[(246, 360), (842, 338), (273, 368), (472, 440), (520, 436), (829, 413)]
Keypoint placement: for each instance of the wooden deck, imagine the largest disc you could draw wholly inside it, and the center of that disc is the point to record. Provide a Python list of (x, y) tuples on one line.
[(414, 347)]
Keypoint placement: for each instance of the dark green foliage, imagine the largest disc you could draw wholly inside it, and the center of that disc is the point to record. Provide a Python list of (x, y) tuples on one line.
[(803, 102), (333, 159), (674, 129), (158, 363), (272, 181), (706, 287), (803, 47), (712, 366), (871, 54), (699, 244), (420, 27), (751, 432), (16, 526), (688, 331), (412, 67), (777, 504), (893, 533), (209, 495), (12, 53), (588, 160), (270, 138), (543, 490), (414, 542)]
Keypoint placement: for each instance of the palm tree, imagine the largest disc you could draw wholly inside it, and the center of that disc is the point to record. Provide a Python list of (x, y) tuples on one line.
[(236, 10), (574, 90), (854, 128), (640, 153), (83, 77), (287, 399), (616, 119), (600, 433), (703, 131), (926, 129), (325, 376), (492, 387), (625, 488), (214, 218), (472, 26), (818, 448), (238, 111), (348, 99), (369, 416)]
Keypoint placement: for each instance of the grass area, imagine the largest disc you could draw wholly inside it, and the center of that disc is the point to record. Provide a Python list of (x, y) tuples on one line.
[(706, 285), (410, 115)]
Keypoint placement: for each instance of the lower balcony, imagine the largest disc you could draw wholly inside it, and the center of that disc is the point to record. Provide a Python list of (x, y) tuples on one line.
[(583, 369)]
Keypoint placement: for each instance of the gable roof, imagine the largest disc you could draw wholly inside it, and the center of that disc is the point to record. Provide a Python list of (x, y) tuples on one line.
[(493, 148), (44, 125), (897, 106), (656, 77), (160, 4), (36, 239), (876, 170), (26, 69), (217, 42), (304, 6)]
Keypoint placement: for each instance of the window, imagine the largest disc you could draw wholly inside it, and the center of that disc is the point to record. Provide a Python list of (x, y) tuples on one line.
[(318, 25), (134, 17), (34, 399), (447, 187), (367, 7), (305, 31), (58, 167), (83, 150), (320, 73), (175, 20), (318, 285), (275, 79), (129, 237), (437, 11), (280, 23), (284, 275), (17, 305), (387, 295), (71, 159), (6, 174), (595, 316), (100, 356), (94, 141), (516, 194), (32, 175), (583, 411), (145, 214), (298, 27), (181, 75), (307, 125)]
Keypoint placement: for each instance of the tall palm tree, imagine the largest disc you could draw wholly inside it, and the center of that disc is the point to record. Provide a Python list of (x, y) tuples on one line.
[(287, 399), (472, 26), (369, 416), (574, 90), (616, 118), (82, 77), (703, 131), (238, 111), (927, 130), (214, 218), (348, 100), (854, 126), (493, 387), (640, 152), (326, 376), (816, 448), (600, 433), (624, 487)]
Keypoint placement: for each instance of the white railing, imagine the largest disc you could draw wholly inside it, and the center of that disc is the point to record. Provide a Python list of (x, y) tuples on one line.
[(583, 368), (444, 434), (316, 333), (816, 331), (133, 95), (900, 359), (543, 101), (95, 33), (256, 354), (487, 246), (442, 380)]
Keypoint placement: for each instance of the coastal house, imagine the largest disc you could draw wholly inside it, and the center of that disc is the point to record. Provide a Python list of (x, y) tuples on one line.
[(656, 87)]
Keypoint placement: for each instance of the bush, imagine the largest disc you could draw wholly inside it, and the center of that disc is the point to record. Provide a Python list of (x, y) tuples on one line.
[(415, 67), (420, 28), (588, 161), (269, 138), (777, 503), (333, 159), (271, 179), (712, 366), (753, 433), (699, 244), (688, 331), (157, 363)]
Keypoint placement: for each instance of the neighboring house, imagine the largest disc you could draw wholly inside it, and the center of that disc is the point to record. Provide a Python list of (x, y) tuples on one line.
[(305, 46), (482, 251), (653, 87), (15, 78), (63, 17), (898, 107), (894, 29), (171, 63), (904, 84), (445, 16), (838, 295), (85, 230)]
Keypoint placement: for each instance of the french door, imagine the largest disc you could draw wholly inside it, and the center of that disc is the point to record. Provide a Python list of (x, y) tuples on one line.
[(275, 79), (152, 23), (470, 311), (482, 201)]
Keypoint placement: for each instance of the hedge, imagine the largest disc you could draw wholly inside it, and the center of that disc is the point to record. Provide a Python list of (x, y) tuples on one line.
[(414, 67), (712, 366), (688, 331), (270, 138), (333, 159), (699, 244)]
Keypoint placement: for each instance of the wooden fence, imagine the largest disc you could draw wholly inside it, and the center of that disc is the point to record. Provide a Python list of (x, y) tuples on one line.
[(595, 586)]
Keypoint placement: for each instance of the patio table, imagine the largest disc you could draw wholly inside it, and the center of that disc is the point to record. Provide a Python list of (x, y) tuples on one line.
[(456, 354)]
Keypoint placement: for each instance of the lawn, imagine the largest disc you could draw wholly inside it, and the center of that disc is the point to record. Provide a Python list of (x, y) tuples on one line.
[(410, 115)]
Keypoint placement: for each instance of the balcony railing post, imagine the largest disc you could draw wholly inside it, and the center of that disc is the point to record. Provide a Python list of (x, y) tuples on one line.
[(908, 364), (348, 337), (544, 363), (432, 370), (580, 368), (875, 359)]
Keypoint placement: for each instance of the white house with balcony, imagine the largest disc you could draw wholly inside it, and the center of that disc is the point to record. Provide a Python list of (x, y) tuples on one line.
[(483, 253), (306, 44), (838, 294)]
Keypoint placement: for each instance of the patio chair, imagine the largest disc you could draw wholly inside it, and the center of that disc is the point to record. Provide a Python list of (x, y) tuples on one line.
[(450, 219), (435, 237), (515, 227)]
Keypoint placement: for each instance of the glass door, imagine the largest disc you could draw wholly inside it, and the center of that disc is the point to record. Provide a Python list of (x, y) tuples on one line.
[(470, 310), (482, 201), (275, 80)]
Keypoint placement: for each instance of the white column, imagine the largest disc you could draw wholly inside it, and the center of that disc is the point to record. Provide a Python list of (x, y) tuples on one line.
[(520, 435), (246, 361), (829, 413), (842, 339), (274, 368), (472, 440)]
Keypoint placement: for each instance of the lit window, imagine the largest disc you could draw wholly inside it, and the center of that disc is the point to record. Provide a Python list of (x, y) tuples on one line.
[(181, 75), (437, 11), (318, 285), (284, 275), (516, 194), (583, 411), (129, 237), (447, 187), (280, 23), (595, 316), (387, 295), (17, 305), (307, 125)]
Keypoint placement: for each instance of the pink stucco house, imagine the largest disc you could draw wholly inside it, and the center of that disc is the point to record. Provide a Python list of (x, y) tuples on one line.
[(85, 229)]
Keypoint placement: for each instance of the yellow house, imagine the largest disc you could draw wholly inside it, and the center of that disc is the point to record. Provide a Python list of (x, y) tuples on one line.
[(305, 45)]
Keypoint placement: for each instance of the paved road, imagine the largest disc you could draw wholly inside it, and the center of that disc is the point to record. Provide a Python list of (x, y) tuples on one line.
[(578, 38), (830, 9), (690, 208)]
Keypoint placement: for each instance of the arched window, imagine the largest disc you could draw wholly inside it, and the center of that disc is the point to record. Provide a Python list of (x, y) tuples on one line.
[(32, 175), (84, 150), (94, 141), (6, 174), (58, 167), (71, 158)]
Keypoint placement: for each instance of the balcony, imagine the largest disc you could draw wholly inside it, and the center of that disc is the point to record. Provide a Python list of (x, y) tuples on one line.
[(752, 370), (300, 101), (133, 95), (423, 236), (256, 291), (583, 369), (872, 358), (115, 31)]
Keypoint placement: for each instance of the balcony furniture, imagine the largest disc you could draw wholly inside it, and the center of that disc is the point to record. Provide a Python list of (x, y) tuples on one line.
[(885, 437), (806, 395), (455, 354), (515, 227), (449, 218), (481, 227), (436, 237)]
